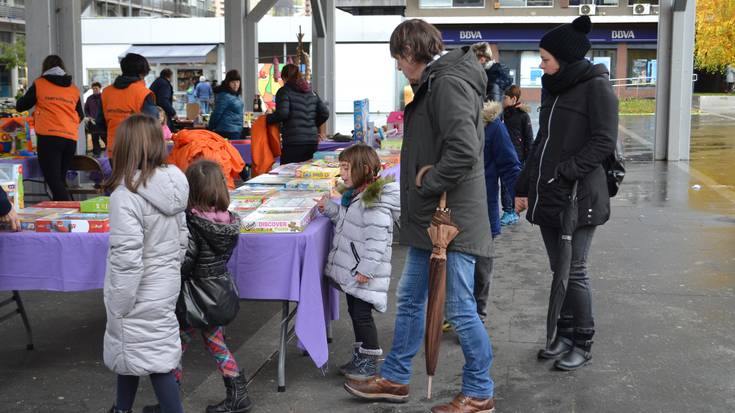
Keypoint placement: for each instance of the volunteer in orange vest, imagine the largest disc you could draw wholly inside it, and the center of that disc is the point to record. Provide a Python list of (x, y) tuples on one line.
[(56, 117), (126, 96)]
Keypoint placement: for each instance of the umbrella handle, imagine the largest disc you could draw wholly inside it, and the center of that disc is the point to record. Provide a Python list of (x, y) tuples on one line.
[(443, 201)]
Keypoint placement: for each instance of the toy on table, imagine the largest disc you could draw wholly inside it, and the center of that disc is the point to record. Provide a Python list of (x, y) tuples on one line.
[(100, 204), (29, 216), (75, 222), (59, 204)]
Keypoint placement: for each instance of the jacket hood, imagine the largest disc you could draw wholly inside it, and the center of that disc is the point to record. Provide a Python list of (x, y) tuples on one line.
[(122, 82), (595, 71), (384, 192), (220, 237), (460, 63), (167, 190), (59, 80), (491, 111), (300, 85)]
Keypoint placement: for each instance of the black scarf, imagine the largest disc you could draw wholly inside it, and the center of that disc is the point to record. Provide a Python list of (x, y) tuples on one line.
[(567, 76)]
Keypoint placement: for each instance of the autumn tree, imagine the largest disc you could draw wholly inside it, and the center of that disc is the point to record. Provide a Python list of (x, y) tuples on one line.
[(715, 35), (13, 54)]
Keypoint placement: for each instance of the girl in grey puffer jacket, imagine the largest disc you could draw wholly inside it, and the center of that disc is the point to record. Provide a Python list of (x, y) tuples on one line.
[(359, 261), (148, 237)]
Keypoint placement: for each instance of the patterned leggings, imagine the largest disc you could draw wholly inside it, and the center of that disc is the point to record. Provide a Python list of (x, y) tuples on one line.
[(214, 340)]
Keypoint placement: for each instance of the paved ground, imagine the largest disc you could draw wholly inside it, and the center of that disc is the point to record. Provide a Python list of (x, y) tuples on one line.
[(663, 273)]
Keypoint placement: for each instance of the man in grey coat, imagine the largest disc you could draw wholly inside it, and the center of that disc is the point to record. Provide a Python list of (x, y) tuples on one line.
[(442, 152)]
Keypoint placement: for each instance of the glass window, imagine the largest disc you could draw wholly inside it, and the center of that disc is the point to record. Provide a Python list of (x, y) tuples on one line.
[(104, 76), (606, 57), (642, 66), (614, 3), (186, 78), (429, 4), (632, 2), (530, 71), (526, 3)]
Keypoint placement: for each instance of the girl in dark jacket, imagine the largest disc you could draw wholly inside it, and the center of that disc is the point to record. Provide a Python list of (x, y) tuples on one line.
[(213, 235), (578, 130), (301, 112)]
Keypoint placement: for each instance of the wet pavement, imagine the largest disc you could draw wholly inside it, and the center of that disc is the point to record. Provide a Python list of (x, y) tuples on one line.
[(663, 278)]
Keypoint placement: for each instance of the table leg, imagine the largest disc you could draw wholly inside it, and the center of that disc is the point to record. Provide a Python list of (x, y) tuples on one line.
[(15, 298), (329, 332), (282, 349)]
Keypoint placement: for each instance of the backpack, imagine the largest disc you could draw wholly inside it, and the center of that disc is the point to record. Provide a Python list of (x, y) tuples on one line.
[(614, 166)]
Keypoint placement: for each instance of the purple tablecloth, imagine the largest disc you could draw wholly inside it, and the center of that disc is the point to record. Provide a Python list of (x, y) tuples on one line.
[(265, 266)]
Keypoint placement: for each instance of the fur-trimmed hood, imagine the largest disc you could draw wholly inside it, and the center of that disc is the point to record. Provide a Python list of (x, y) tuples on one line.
[(383, 191)]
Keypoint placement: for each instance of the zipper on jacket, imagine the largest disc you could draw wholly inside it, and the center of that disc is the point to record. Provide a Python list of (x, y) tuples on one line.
[(357, 256), (541, 161)]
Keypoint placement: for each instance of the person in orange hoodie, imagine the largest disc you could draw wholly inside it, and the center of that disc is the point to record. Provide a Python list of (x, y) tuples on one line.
[(56, 117), (126, 96)]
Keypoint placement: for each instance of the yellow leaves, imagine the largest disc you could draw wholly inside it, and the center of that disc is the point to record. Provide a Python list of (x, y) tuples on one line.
[(715, 34)]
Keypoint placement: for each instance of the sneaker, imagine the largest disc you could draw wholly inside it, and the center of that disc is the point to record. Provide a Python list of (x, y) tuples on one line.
[(507, 218), (515, 218)]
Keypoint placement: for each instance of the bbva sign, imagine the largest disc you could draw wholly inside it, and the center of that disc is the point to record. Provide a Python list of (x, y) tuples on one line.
[(470, 35), (622, 34)]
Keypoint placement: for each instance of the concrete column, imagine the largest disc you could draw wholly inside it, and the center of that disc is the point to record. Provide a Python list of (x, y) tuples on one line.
[(234, 35), (57, 29), (331, 30), (621, 62), (250, 72), (663, 75), (682, 69)]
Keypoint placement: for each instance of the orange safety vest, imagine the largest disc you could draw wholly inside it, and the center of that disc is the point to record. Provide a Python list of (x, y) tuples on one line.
[(56, 109), (119, 104)]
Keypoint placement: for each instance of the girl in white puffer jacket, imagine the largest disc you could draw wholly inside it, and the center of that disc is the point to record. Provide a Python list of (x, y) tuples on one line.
[(359, 261)]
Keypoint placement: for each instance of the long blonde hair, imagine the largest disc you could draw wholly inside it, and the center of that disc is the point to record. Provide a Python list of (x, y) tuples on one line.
[(139, 146)]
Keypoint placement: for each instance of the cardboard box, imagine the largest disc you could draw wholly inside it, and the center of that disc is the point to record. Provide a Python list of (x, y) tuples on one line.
[(304, 184), (361, 114), (263, 220), (28, 217), (76, 222), (11, 180), (58, 204), (317, 172), (100, 204)]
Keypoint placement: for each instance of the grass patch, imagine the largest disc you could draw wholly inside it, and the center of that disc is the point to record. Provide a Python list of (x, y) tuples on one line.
[(714, 94), (637, 106)]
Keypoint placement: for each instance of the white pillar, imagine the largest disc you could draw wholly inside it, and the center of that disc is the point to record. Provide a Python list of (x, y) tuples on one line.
[(682, 69), (250, 72), (234, 36), (663, 76), (322, 54)]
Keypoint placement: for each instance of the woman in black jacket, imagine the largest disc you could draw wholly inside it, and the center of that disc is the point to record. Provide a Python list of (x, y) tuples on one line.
[(578, 130), (301, 112)]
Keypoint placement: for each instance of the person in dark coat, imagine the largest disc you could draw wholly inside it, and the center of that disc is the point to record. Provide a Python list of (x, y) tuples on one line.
[(300, 112), (164, 91), (7, 213), (518, 122), (442, 153), (227, 117), (92, 109), (578, 130), (501, 163)]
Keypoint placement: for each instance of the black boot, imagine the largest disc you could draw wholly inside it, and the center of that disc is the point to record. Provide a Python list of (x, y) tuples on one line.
[(237, 400), (116, 410), (562, 342), (366, 365), (343, 368), (579, 355)]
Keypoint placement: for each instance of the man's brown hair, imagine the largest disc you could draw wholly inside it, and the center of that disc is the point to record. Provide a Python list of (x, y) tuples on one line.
[(416, 40), (364, 164), (207, 186), (139, 147)]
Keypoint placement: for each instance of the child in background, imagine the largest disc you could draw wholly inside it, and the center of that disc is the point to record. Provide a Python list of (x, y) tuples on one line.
[(501, 162), (518, 123), (148, 237), (360, 258), (164, 124)]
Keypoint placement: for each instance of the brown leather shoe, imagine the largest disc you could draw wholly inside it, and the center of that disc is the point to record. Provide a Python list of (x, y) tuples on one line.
[(378, 388), (466, 404)]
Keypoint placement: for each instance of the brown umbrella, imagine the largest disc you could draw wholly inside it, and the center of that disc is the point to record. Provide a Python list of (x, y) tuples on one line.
[(441, 231)]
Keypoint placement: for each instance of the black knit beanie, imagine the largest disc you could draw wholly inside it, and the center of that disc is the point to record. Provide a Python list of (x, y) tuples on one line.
[(568, 42)]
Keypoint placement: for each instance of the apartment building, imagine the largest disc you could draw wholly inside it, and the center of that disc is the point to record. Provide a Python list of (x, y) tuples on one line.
[(623, 36)]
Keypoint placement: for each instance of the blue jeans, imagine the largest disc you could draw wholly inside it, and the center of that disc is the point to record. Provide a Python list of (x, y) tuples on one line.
[(204, 105), (460, 311)]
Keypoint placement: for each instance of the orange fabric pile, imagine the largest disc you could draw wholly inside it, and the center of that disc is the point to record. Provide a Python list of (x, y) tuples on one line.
[(265, 145), (192, 144)]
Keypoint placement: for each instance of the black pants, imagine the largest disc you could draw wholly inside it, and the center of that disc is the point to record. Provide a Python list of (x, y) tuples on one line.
[(578, 300), (361, 313), (54, 158), (298, 153), (164, 385), (96, 139), (483, 279)]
